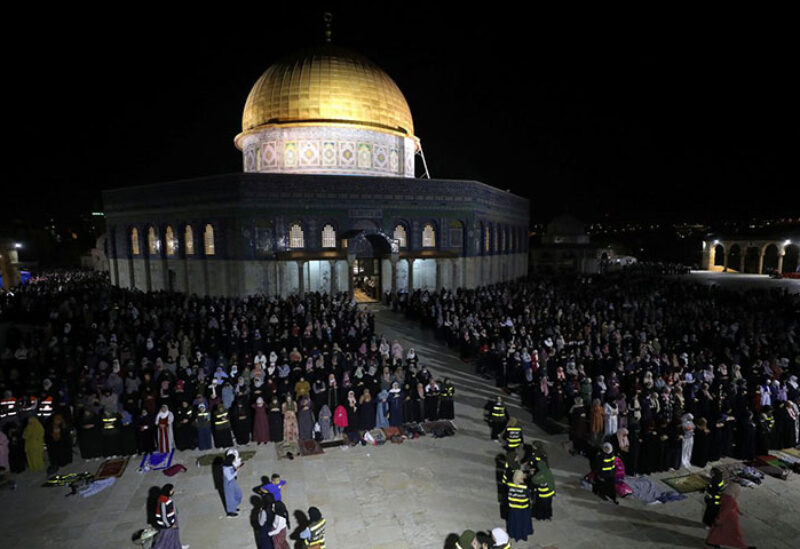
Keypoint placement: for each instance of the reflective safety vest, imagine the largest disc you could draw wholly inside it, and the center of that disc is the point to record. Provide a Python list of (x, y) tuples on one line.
[(8, 407), (46, 408), (449, 391), (713, 495), (518, 496), (221, 420), (770, 422), (498, 412), (165, 512), (545, 491), (109, 423), (609, 463), (317, 539), (514, 436), (506, 546), (203, 416)]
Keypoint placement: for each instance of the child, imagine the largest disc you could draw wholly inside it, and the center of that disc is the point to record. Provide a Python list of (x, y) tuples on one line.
[(274, 486)]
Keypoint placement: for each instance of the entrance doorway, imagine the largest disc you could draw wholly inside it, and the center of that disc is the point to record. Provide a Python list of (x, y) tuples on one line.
[(366, 280)]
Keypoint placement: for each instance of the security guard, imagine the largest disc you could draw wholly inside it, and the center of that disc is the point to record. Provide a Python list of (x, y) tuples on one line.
[(314, 535), (545, 487), (45, 408), (9, 407), (498, 418), (513, 434), (518, 494), (222, 428), (713, 496), (605, 466)]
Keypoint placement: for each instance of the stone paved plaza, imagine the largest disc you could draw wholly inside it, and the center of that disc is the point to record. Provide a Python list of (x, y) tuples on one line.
[(411, 495)]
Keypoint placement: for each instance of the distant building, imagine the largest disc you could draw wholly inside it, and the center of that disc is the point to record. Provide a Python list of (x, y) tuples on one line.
[(328, 201), (565, 246), (760, 252)]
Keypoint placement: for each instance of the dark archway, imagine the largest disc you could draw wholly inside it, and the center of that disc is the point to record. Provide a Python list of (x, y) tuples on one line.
[(770, 258), (734, 258), (719, 255), (751, 260), (368, 247), (791, 261)]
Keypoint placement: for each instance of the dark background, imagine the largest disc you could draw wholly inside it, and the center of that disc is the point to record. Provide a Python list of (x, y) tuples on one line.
[(614, 122)]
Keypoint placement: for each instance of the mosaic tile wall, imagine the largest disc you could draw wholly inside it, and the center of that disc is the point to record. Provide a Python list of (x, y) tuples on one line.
[(328, 150)]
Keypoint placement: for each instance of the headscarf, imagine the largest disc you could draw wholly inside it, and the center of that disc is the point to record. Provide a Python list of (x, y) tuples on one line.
[(499, 536), (314, 514), (466, 539), (166, 490), (280, 509)]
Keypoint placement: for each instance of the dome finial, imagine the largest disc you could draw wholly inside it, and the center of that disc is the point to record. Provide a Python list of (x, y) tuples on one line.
[(328, 18)]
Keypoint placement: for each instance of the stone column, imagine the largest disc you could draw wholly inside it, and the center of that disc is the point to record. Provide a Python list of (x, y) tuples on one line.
[(439, 272), (726, 254), (351, 259), (411, 273), (742, 256), (393, 287), (334, 277), (301, 278), (780, 260), (761, 262), (9, 266)]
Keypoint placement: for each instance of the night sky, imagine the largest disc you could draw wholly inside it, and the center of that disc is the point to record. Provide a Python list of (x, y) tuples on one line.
[(608, 124)]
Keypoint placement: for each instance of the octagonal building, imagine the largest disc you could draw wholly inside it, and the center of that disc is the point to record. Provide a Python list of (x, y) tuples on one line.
[(327, 201)]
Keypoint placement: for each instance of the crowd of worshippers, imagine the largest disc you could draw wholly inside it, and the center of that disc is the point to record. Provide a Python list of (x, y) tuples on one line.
[(671, 371), (135, 372)]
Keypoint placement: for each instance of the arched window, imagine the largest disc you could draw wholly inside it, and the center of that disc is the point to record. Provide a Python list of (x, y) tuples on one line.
[(135, 241), (328, 236), (153, 245), (189, 238), (401, 236), (456, 234), (296, 236), (511, 240), (208, 240), (169, 237), (487, 243), (428, 236)]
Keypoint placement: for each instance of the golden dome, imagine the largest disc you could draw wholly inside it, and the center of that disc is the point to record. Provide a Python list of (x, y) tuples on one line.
[(327, 85)]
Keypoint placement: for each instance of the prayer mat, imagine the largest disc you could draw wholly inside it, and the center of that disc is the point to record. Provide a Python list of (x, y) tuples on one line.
[(429, 426), (208, 459), (112, 468), (285, 448), (156, 461), (794, 452), (687, 483), (310, 448), (332, 443)]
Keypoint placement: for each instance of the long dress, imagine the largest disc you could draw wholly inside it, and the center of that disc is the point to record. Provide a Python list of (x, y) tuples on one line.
[(261, 429), (34, 444), (241, 423), (366, 415), (90, 439), (4, 452), (700, 449), (305, 420), (324, 420), (726, 530), (166, 440), (380, 416), (396, 409), (233, 494), (275, 424), (290, 432)]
